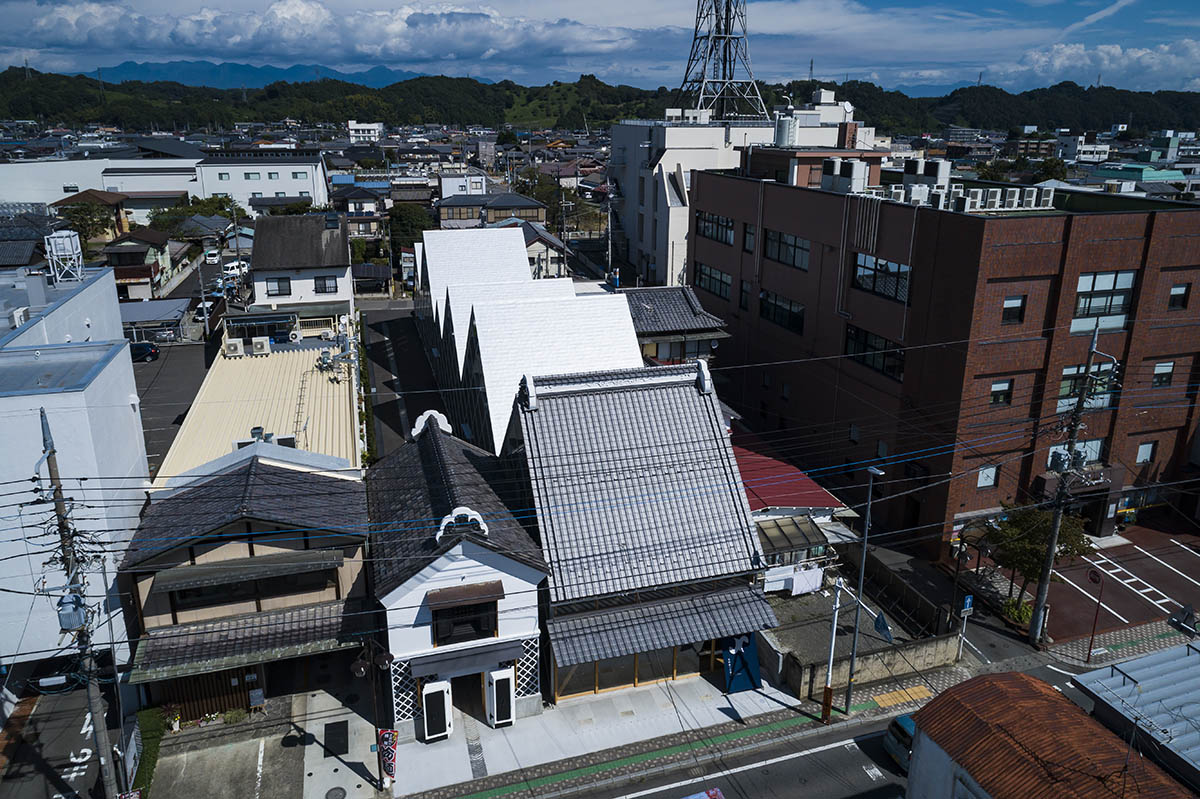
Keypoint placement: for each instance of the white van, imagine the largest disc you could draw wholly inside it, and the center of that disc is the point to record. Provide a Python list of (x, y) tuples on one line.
[(212, 257)]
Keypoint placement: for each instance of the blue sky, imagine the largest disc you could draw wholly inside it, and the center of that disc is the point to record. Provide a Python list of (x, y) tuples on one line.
[(1017, 44)]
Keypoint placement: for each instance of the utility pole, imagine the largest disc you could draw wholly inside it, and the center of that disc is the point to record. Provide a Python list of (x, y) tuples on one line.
[(77, 611), (872, 473), (1062, 494), (827, 698)]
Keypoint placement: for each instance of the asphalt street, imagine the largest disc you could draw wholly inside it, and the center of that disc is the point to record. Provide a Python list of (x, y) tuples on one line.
[(166, 388), (832, 765), (402, 384)]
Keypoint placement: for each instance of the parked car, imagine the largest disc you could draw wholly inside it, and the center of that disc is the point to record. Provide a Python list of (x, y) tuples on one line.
[(166, 334), (143, 351), (235, 268), (212, 257), (897, 742), (198, 316)]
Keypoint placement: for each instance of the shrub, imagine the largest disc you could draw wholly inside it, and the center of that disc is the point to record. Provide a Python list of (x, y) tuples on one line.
[(1018, 611)]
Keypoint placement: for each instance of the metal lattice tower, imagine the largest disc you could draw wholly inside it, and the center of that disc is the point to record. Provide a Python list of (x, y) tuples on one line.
[(719, 53)]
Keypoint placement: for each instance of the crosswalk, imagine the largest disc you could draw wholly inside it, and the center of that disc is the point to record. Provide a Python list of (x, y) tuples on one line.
[(1136, 584)]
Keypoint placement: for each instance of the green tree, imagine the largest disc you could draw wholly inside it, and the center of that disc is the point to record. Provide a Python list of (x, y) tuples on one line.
[(1019, 541), (408, 221), (168, 220), (358, 250), (506, 137), (89, 220), (1052, 169), (994, 170)]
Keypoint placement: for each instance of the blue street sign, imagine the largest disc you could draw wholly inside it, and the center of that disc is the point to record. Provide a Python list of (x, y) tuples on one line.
[(968, 601), (881, 627)]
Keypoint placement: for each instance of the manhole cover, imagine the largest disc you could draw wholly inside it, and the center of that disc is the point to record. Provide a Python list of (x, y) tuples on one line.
[(335, 793)]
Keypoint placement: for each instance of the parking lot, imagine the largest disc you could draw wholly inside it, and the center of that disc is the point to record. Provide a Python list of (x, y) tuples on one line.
[(166, 388), (1149, 578)]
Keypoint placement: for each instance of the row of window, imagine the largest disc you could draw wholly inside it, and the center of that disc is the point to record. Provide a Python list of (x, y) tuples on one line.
[(282, 286), (1104, 387), (1102, 298), (875, 352), (714, 281), (879, 276), (1092, 450), (715, 227), (787, 249), (299, 175)]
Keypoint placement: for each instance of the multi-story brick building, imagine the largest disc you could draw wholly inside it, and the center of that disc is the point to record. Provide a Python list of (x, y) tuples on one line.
[(944, 345)]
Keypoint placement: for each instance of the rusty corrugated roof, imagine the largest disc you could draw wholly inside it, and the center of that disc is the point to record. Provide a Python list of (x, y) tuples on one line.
[(1020, 739)]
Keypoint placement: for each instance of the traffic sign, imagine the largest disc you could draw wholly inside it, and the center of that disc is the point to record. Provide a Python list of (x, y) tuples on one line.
[(966, 612), (968, 601), (1093, 576)]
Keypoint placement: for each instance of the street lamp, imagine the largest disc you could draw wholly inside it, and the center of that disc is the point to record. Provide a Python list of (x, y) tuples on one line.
[(872, 473), (360, 668)]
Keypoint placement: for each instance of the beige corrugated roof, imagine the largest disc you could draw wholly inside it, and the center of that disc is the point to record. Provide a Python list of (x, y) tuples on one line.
[(279, 392)]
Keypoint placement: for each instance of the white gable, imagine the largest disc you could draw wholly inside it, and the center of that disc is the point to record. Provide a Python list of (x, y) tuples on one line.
[(466, 257), (462, 298)]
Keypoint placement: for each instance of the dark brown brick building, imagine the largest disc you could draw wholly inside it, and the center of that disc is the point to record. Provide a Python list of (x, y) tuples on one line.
[(943, 345)]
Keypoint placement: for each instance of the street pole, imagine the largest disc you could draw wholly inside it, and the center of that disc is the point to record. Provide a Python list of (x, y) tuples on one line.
[(872, 473), (827, 698), (66, 541), (1061, 497), (962, 636), (1096, 618), (203, 307)]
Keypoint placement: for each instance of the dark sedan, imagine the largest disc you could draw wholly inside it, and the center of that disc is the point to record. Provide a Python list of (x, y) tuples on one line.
[(143, 351)]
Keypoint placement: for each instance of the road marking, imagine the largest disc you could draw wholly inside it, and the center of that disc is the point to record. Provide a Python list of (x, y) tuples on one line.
[(258, 779), (1186, 548), (873, 772), (1168, 565), (1115, 573), (769, 762), (1060, 671), (902, 695), (982, 656), (1089, 596), (1055, 687)]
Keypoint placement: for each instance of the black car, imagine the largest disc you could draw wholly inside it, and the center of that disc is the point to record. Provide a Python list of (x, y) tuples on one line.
[(143, 351)]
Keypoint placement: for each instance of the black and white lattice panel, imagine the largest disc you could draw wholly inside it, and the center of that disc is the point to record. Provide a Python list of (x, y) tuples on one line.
[(529, 680), (404, 692)]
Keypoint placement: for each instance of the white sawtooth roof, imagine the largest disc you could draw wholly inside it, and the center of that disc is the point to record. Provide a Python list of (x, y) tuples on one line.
[(478, 255), (462, 298), (545, 337)]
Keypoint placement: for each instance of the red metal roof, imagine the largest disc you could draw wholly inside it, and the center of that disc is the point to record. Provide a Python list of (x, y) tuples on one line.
[(1020, 739), (774, 483)]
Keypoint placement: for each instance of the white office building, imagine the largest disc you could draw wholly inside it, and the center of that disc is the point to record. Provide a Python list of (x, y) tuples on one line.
[(291, 175), (365, 132), (62, 350), (1080, 150)]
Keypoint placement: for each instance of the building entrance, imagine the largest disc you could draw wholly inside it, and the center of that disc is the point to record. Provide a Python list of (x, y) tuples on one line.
[(467, 696)]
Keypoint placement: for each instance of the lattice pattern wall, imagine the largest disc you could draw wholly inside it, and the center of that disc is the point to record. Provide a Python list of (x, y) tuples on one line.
[(404, 692), (529, 676)]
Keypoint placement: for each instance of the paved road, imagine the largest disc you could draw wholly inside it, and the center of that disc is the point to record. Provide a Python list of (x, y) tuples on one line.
[(56, 757), (166, 388), (833, 765)]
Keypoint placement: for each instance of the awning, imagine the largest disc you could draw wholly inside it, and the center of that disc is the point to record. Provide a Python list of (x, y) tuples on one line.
[(472, 659), (228, 572), (789, 534), (181, 650), (586, 637), (468, 594)]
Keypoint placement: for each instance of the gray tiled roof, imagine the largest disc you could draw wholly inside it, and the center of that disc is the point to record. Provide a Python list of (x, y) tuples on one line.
[(16, 253), (634, 480), (236, 641), (409, 493), (253, 490), (647, 626), (299, 242), (669, 309)]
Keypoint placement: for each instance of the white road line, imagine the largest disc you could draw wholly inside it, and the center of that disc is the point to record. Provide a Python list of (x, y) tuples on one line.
[(1186, 548), (1168, 565), (1159, 604), (1060, 671), (1089, 596), (984, 657), (258, 779), (748, 767)]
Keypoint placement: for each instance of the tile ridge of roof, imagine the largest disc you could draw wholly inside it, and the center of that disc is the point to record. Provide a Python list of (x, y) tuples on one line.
[(252, 467), (612, 375)]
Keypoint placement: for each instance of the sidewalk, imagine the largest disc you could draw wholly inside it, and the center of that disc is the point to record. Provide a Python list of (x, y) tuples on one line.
[(1123, 644), (607, 738)]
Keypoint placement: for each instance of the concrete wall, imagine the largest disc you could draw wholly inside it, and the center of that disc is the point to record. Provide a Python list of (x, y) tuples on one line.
[(43, 181), (303, 287), (237, 186), (90, 314)]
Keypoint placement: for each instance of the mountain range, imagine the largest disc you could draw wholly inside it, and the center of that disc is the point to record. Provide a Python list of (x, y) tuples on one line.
[(229, 75)]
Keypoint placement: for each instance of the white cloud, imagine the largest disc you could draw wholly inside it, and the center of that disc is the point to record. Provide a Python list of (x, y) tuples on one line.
[(1172, 65), (1096, 16)]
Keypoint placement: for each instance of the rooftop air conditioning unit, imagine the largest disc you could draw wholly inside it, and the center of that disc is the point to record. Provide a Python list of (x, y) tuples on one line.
[(18, 316), (233, 348), (260, 345), (993, 199), (897, 193), (1047, 198), (1011, 198), (976, 196), (1029, 198)]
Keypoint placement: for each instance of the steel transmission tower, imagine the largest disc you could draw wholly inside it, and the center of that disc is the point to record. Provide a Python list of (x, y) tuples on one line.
[(719, 53)]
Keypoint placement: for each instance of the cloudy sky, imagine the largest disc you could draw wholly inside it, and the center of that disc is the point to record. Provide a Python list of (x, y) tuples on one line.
[(1018, 44)]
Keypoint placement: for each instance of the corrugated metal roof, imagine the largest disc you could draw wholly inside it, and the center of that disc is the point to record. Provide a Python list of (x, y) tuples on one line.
[(773, 483), (634, 481), (466, 257), (1159, 692), (463, 297), (239, 394), (1020, 739), (548, 337), (644, 627)]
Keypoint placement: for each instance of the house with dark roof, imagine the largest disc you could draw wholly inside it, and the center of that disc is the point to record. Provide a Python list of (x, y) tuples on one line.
[(641, 515), (458, 578), (141, 261), (112, 200), (365, 210), (301, 264), (240, 570), (672, 326), (475, 210)]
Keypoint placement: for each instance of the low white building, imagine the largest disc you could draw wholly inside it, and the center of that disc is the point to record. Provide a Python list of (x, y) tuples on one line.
[(51, 180), (1080, 150), (365, 132), (450, 184), (458, 578), (293, 175), (62, 350)]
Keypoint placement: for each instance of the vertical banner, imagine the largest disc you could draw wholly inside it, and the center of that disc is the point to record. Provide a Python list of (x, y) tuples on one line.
[(387, 752)]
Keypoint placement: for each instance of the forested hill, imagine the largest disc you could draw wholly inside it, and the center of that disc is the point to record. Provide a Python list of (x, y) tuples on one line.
[(52, 98)]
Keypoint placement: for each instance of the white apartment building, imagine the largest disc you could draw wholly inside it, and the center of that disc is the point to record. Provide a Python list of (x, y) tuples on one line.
[(365, 132), (462, 183), (283, 174), (62, 350), (1080, 150), (51, 180)]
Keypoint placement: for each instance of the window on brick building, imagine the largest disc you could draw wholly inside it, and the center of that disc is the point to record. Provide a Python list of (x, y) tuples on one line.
[(787, 249), (1163, 372), (749, 234), (1103, 393), (1103, 300), (744, 292), (713, 280), (1145, 451), (782, 311), (879, 276), (987, 477), (1178, 299), (875, 352), (1014, 311), (1002, 392), (715, 227), (853, 434)]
